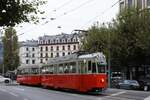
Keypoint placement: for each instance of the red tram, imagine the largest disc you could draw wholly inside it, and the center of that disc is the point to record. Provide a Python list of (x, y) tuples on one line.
[(29, 75), (80, 72)]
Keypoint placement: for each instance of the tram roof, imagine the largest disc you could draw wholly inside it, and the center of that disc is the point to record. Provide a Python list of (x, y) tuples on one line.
[(75, 57), (29, 66)]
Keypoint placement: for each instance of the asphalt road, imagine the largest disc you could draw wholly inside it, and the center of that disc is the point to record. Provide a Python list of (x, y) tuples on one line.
[(17, 92)]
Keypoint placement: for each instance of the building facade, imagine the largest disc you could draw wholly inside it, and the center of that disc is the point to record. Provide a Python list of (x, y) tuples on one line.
[(57, 45), (141, 4), (28, 53), (39, 52)]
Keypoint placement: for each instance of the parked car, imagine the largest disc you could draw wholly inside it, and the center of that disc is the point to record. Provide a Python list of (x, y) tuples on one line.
[(4, 80), (144, 84), (128, 84)]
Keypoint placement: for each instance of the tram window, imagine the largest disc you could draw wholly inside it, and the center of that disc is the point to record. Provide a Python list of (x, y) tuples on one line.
[(34, 71), (60, 68), (72, 67), (46, 70), (43, 70), (93, 67), (101, 68), (26, 71), (51, 69), (19, 72), (89, 67), (66, 68), (82, 67)]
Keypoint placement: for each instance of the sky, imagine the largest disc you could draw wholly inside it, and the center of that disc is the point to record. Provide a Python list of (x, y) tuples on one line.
[(69, 15)]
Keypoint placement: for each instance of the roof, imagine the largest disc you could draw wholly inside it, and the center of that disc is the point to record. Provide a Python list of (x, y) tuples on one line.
[(32, 43), (29, 66), (77, 57)]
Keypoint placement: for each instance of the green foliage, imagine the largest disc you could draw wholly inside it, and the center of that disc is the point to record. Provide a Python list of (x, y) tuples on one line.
[(127, 38), (134, 38), (96, 39), (10, 56), (13, 12)]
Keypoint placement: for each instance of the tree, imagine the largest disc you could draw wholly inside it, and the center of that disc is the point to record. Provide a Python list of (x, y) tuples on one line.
[(13, 12), (134, 38), (100, 38), (129, 42), (10, 56)]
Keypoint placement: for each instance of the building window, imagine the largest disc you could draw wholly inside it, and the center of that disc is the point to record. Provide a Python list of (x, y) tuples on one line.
[(148, 3), (63, 54), (57, 47), (41, 60), (66, 40), (54, 41), (74, 40), (33, 49), (51, 48), (63, 47), (33, 55), (57, 41), (51, 55), (46, 59), (74, 47), (57, 55), (68, 53), (27, 49), (68, 47), (27, 61), (43, 41), (139, 4), (41, 55), (121, 6), (27, 55), (129, 3), (49, 41), (41, 49), (46, 55), (33, 61), (46, 48)]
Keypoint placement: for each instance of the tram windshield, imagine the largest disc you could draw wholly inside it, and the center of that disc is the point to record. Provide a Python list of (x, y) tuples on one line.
[(101, 68), (95, 67)]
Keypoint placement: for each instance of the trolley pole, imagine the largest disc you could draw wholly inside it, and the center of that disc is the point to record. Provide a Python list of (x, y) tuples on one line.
[(109, 63)]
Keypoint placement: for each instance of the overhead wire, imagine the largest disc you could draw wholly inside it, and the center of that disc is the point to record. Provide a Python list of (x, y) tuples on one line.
[(102, 13), (69, 11), (79, 6), (59, 7), (55, 9)]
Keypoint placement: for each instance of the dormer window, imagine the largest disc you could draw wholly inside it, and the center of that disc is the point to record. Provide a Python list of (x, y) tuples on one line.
[(54, 41), (74, 40), (43, 41), (49, 41)]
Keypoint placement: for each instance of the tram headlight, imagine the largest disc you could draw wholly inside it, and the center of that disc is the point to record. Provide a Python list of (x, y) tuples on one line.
[(102, 80)]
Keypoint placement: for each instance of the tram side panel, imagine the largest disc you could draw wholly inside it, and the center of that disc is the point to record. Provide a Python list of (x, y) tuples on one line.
[(47, 80), (93, 82), (34, 80), (68, 81)]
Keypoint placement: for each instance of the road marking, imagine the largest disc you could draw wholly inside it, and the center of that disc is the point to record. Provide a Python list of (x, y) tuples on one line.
[(3, 90), (148, 98), (118, 93), (19, 89), (25, 99), (13, 94)]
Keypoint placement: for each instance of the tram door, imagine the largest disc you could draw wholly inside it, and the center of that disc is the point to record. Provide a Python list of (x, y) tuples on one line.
[(82, 72)]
